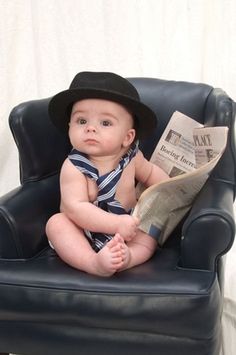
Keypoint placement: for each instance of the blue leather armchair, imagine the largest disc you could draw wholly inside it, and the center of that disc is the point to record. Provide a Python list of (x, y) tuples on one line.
[(171, 305)]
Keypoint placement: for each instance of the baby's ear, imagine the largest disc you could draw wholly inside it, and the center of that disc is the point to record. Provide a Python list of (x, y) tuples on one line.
[(129, 138)]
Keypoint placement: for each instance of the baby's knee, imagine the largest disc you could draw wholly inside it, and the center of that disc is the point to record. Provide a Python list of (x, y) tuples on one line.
[(54, 224)]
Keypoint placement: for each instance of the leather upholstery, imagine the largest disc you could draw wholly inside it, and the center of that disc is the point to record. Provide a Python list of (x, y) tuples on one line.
[(170, 305)]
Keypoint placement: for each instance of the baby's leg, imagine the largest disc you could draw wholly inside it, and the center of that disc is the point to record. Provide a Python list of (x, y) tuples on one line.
[(138, 250), (73, 247)]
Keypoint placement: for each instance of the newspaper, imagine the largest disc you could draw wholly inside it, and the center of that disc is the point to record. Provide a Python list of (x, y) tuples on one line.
[(187, 152)]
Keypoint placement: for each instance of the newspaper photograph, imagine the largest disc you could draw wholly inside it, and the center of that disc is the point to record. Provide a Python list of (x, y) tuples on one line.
[(175, 151), (187, 152)]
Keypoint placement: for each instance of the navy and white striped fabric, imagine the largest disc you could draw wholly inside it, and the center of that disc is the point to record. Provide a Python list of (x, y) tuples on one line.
[(107, 185)]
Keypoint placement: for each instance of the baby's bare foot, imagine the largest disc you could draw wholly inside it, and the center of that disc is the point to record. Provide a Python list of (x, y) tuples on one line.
[(109, 259), (125, 252)]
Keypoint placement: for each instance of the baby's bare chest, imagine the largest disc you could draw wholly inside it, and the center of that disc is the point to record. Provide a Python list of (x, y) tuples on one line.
[(125, 190)]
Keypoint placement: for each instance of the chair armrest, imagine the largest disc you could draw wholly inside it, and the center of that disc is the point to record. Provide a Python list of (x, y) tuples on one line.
[(23, 215), (209, 230)]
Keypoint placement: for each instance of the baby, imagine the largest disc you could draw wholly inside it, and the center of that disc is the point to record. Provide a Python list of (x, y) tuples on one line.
[(94, 231)]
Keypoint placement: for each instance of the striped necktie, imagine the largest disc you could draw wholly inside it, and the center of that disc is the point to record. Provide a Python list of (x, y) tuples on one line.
[(106, 183)]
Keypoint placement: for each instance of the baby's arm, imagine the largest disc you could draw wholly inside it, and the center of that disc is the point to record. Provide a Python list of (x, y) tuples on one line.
[(75, 204), (147, 172)]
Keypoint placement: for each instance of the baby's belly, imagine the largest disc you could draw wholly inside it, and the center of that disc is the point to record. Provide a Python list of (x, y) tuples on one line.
[(128, 201)]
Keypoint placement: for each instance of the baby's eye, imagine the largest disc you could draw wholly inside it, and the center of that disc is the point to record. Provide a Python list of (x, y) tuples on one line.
[(106, 123), (82, 121)]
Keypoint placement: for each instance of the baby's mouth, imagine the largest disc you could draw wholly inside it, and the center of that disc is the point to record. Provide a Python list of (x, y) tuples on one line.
[(91, 141)]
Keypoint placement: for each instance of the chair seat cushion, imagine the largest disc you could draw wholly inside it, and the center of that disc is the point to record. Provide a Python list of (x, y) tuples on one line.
[(142, 299)]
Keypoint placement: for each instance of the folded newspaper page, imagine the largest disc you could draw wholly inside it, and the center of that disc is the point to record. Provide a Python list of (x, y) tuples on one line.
[(187, 152)]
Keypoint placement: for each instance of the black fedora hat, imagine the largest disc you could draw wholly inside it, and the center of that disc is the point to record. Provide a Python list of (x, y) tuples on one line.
[(101, 85)]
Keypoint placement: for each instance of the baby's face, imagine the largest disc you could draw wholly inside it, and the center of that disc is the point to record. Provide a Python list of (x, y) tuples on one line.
[(100, 127)]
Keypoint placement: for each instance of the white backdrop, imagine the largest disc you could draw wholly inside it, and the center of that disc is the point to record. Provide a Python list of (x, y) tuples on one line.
[(44, 43)]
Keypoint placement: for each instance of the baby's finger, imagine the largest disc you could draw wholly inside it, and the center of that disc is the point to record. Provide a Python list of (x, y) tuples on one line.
[(136, 220)]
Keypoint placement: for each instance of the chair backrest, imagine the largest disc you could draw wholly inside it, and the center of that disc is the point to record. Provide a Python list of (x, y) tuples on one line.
[(42, 148)]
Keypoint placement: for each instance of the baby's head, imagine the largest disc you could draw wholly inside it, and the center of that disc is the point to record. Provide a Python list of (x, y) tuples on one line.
[(104, 86), (101, 127)]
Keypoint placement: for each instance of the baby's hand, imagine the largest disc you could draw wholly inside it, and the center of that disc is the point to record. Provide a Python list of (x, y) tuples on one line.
[(127, 226)]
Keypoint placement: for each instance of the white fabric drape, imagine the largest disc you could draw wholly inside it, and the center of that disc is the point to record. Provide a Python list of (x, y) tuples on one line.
[(44, 43)]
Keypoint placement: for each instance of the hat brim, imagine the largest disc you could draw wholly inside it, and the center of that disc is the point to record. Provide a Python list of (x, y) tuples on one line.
[(60, 104)]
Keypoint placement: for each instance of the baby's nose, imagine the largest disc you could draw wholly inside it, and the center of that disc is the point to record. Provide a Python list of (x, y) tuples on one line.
[(91, 128)]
